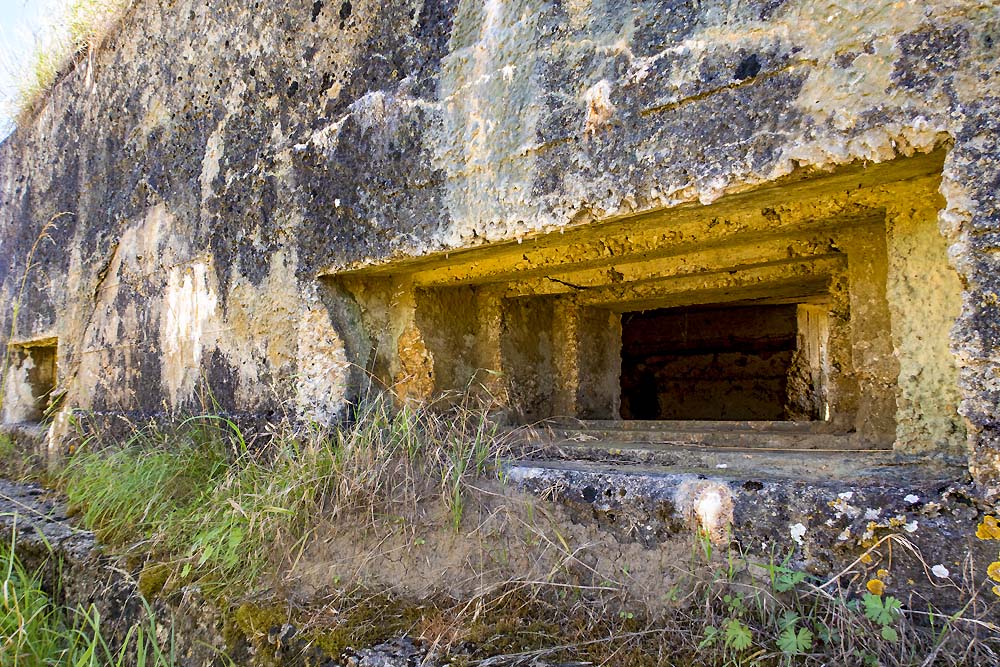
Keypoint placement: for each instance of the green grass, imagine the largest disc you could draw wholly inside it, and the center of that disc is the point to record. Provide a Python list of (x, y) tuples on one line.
[(36, 632)]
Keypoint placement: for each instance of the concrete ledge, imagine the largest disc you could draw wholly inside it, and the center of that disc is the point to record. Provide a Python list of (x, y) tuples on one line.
[(824, 521)]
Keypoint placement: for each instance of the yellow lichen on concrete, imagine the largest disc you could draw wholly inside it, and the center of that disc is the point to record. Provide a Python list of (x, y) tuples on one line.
[(925, 298)]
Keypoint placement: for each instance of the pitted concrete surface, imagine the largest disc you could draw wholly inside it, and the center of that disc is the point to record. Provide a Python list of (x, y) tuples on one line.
[(861, 468), (39, 521)]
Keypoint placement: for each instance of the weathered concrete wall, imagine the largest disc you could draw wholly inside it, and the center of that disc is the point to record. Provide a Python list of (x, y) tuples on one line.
[(215, 160)]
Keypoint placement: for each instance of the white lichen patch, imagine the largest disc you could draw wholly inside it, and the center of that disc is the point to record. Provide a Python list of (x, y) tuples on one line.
[(189, 304), (797, 531), (708, 507), (841, 507), (214, 148)]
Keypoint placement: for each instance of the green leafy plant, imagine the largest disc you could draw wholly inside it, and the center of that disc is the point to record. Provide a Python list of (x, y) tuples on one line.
[(884, 612), (785, 579), (794, 639), (709, 638), (738, 635)]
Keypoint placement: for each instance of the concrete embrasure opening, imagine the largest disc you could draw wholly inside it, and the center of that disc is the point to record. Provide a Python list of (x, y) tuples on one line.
[(737, 362), (813, 313), (31, 380)]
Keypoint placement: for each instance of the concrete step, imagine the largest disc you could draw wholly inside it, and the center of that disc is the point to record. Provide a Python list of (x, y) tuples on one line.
[(741, 465), (790, 472), (689, 425), (742, 435), (716, 460)]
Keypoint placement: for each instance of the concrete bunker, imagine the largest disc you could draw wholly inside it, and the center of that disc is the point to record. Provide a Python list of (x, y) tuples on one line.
[(821, 304), (30, 385)]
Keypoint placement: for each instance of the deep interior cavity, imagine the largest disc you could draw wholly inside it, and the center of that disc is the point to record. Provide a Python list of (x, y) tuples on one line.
[(740, 362)]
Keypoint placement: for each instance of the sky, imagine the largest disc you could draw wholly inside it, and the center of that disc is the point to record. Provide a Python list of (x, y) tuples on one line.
[(21, 22)]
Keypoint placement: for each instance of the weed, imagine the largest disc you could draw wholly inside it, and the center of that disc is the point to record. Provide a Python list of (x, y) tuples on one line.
[(34, 631), (205, 503)]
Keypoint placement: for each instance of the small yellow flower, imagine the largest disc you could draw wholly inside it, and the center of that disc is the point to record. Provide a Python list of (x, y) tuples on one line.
[(993, 570), (996, 591), (882, 573), (866, 558), (875, 587), (989, 529)]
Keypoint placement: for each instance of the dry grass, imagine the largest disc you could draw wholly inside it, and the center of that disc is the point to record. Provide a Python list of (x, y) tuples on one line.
[(201, 504)]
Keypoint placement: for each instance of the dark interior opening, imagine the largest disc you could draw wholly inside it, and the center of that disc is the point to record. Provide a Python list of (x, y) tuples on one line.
[(709, 363)]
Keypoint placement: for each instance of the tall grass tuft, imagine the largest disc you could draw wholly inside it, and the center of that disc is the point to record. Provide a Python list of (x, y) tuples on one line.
[(213, 508)]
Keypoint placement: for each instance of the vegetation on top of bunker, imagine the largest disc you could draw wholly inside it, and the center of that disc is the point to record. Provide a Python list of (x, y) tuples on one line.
[(69, 37), (197, 506)]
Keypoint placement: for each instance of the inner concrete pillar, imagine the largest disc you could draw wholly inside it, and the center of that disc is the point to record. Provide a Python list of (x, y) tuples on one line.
[(874, 364), (487, 351), (413, 364), (808, 399), (842, 392), (527, 352), (925, 299), (599, 363), (446, 319), (566, 356)]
